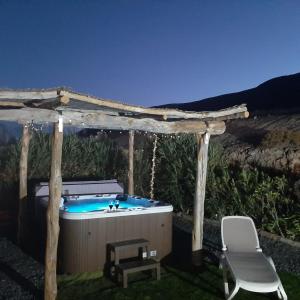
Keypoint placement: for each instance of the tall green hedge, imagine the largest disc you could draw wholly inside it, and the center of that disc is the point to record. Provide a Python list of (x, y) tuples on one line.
[(90, 158)]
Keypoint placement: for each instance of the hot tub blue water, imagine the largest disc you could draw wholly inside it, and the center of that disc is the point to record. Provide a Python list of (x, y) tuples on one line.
[(92, 203)]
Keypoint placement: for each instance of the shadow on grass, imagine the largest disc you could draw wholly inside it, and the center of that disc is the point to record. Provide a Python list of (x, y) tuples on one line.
[(199, 281)]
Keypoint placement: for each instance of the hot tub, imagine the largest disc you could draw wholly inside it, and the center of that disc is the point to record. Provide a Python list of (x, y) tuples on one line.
[(89, 222)]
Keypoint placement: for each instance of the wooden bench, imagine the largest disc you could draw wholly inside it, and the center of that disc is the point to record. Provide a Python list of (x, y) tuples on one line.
[(124, 269)]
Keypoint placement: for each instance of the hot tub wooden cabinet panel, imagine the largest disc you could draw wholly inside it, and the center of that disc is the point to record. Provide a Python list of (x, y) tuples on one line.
[(83, 243)]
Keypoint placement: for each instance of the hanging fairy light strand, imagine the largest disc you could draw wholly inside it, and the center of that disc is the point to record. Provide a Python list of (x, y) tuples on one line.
[(153, 167), (40, 127)]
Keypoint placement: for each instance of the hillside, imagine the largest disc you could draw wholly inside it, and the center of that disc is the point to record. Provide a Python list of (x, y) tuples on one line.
[(270, 137), (271, 142), (278, 95)]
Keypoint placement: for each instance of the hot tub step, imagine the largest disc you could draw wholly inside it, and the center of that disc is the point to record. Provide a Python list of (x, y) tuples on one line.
[(137, 266)]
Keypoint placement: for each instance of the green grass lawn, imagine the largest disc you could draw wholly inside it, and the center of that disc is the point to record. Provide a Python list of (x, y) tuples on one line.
[(174, 284)]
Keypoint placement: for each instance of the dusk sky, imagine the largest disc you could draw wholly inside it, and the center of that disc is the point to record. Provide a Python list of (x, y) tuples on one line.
[(148, 52)]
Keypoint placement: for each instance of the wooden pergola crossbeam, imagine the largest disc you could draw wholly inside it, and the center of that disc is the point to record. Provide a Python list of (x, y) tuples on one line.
[(20, 95), (104, 121), (167, 113), (27, 115)]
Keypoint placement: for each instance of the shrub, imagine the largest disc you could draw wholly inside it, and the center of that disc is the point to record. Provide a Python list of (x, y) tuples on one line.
[(281, 138), (176, 170), (98, 158), (142, 167)]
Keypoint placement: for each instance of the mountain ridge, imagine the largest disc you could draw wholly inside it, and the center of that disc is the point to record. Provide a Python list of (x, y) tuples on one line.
[(279, 94)]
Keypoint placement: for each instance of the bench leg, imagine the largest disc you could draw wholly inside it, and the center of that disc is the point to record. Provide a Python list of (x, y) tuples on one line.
[(119, 277), (158, 272), (125, 280)]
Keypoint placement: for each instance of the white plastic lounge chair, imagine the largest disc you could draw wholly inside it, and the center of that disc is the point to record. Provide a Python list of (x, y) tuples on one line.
[(242, 256)]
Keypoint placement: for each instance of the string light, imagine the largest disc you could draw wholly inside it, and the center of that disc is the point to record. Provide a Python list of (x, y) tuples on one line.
[(153, 167), (39, 127), (34, 127)]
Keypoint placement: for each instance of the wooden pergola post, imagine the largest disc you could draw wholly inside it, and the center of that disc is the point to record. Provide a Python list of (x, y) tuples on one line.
[(197, 237), (130, 162), (55, 187), (23, 167)]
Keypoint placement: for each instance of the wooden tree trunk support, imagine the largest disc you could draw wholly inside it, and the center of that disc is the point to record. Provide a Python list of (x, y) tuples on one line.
[(55, 187), (130, 160), (23, 167), (202, 157)]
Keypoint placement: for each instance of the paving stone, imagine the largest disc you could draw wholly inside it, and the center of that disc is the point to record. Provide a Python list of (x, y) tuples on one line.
[(21, 277)]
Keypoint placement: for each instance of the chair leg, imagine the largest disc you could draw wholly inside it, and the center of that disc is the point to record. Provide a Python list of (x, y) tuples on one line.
[(234, 291), (281, 292), (225, 280)]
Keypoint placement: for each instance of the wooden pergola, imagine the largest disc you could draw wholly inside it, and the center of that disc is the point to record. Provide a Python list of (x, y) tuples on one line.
[(64, 107)]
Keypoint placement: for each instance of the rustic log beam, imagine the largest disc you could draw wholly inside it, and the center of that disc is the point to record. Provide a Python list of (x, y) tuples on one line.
[(23, 167), (165, 112), (239, 115), (215, 127), (27, 115), (198, 213), (97, 111), (11, 104), (48, 103), (42, 99), (28, 94), (55, 187), (130, 162), (64, 100), (104, 121)]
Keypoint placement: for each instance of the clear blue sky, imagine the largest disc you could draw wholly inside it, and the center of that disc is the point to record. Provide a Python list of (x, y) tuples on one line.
[(148, 52)]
